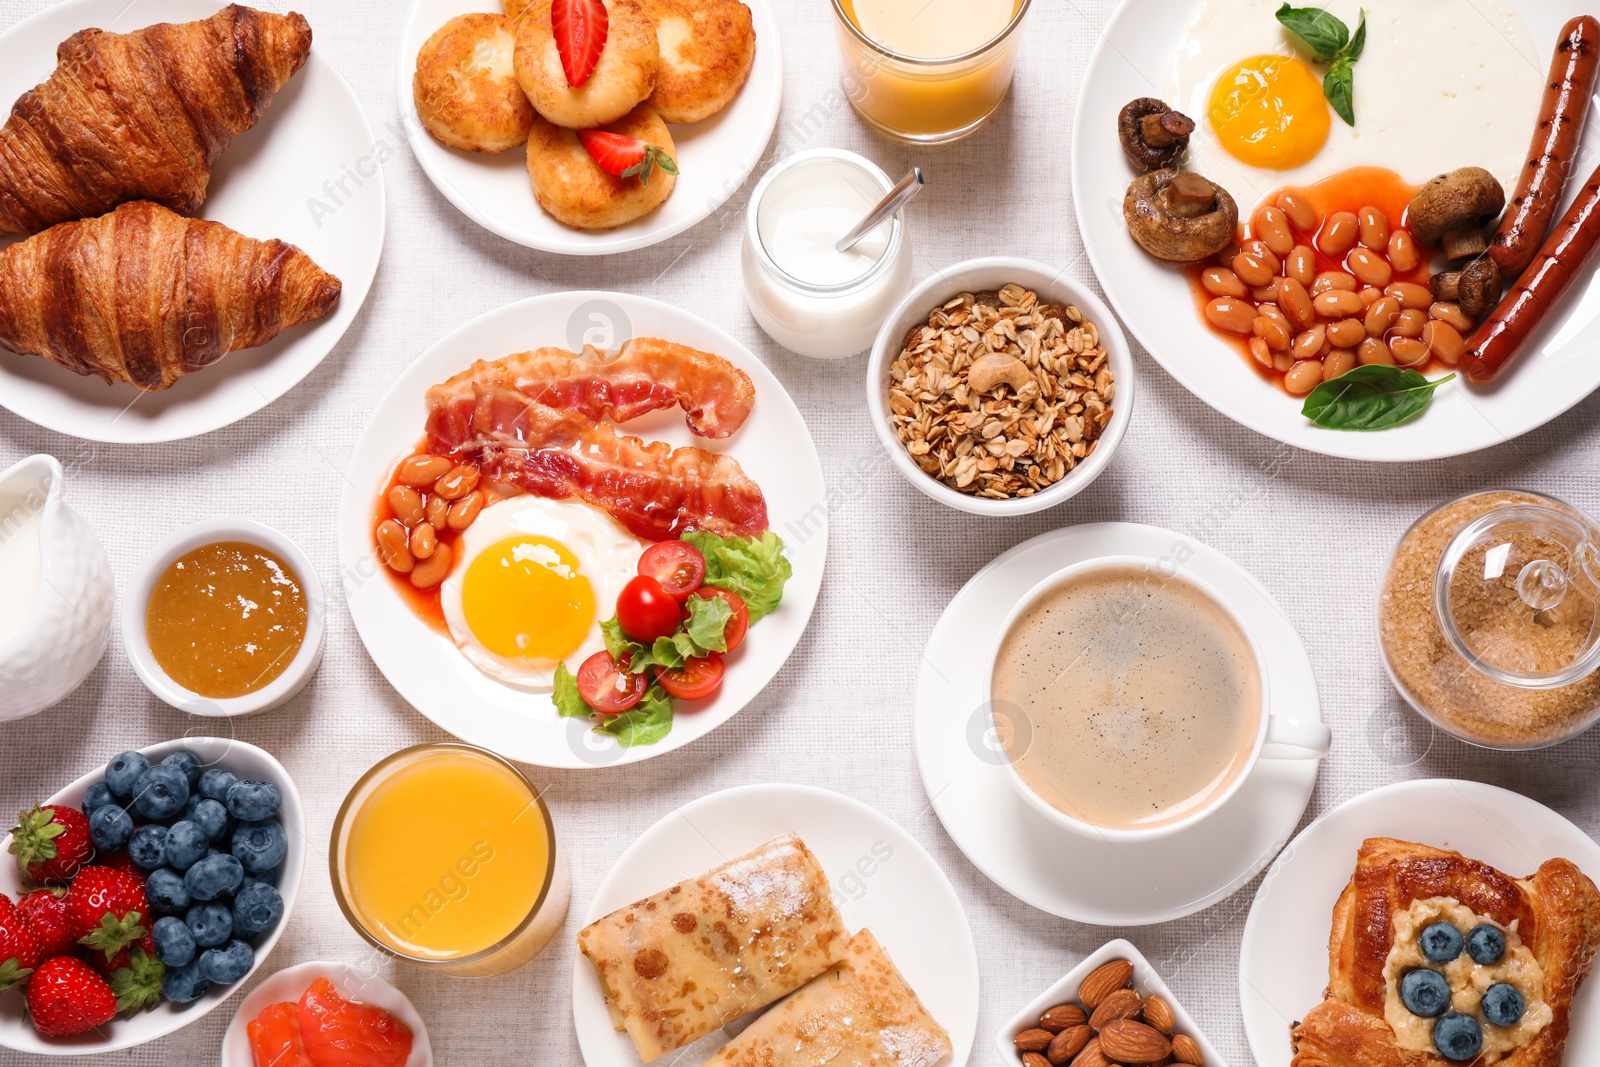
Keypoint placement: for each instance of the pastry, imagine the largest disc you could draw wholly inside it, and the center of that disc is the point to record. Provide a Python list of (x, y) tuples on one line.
[(141, 115), (569, 184), (144, 296), (623, 75), (707, 49), (1437, 959), (465, 90)]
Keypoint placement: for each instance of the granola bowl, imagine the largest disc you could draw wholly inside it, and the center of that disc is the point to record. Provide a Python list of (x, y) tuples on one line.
[(1000, 386)]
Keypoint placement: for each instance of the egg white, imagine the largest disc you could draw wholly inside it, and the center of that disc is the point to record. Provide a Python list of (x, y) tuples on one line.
[(607, 555)]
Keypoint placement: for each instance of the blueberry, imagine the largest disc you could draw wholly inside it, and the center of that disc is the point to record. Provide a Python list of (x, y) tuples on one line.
[(256, 909), (1440, 942), (166, 893), (1457, 1037), (211, 817), (211, 924), (174, 941), (160, 792), (213, 877), (97, 796), (1425, 993), (260, 846), (186, 845), (253, 801), (215, 783), (1502, 1004), (271, 877), (1486, 944), (148, 846), (123, 771), (187, 763), (228, 964), (110, 828), (184, 984)]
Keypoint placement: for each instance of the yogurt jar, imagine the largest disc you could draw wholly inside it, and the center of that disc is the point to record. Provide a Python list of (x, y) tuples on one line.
[(807, 296)]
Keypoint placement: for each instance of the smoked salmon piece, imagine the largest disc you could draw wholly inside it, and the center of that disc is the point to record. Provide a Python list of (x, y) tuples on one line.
[(343, 1033), (275, 1037)]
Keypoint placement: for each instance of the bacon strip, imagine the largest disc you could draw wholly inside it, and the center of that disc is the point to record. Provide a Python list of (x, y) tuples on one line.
[(653, 490), (647, 374)]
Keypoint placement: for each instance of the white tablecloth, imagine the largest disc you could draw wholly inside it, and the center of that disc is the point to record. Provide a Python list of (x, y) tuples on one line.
[(1316, 531)]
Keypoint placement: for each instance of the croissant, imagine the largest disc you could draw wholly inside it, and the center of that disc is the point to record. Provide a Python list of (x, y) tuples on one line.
[(144, 296), (142, 115), (1549, 931)]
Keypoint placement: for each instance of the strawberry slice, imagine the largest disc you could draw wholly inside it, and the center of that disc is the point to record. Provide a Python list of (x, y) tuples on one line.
[(625, 157), (580, 28)]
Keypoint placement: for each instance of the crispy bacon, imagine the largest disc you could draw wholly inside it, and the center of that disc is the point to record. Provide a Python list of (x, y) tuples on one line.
[(646, 375), (652, 489)]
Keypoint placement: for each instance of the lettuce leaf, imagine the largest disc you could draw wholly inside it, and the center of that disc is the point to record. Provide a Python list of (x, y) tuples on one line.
[(644, 724), (707, 625), (569, 702), (754, 569)]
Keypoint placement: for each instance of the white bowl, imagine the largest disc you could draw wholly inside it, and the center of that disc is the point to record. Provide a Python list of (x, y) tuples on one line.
[(136, 601), (977, 275), (353, 983), (249, 763), (1146, 982)]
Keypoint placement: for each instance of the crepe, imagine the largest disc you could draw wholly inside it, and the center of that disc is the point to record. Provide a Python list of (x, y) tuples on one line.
[(860, 1013), (690, 959)]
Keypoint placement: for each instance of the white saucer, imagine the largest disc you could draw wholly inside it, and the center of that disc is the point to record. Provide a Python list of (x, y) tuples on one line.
[(882, 880), (352, 983), (1069, 876), (1283, 960)]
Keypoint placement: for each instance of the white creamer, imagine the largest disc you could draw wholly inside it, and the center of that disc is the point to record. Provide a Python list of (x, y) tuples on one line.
[(19, 560)]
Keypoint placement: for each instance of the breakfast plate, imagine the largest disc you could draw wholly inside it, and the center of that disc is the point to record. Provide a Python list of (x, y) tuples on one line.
[(1134, 59), (352, 983), (881, 879), (1104, 883), (715, 155), (1283, 958), (308, 173), (774, 448)]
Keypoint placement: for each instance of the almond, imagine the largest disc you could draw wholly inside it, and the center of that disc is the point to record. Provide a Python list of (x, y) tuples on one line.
[(1068, 1043), (1062, 1017), (1033, 1040), (1130, 1041), (1033, 1059), (1103, 981), (1091, 1056), (1158, 1013), (1119, 1004), (1187, 1050)]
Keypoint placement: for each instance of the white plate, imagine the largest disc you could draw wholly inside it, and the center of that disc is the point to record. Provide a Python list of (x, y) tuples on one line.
[(266, 184), (1075, 878), (714, 156), (882, 879), (1155, 303), (774, 448), (352, 983), (246, 761)]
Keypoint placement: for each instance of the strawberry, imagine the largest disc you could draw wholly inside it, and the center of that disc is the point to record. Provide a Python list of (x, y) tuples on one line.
[(106, 909), (19, 946), (137, 983), (51, 844), (45, 912), (580, 28), (625, 157), (66, 998), (123, 958), (121, 861)]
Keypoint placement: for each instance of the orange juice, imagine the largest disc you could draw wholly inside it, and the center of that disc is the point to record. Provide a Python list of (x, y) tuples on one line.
[(931, 29)]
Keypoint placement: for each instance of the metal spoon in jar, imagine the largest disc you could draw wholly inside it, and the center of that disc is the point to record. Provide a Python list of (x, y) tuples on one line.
[(898, 197)]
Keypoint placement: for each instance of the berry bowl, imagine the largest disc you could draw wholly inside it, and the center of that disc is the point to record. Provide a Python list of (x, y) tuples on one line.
[(353, 983), (248, 764)]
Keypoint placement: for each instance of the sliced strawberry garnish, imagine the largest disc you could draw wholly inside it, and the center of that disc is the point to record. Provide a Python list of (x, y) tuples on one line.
[(625, 157), (580, 28)]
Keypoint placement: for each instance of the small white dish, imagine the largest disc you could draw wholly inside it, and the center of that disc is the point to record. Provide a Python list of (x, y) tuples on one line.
[(352, 983), (1146, 982), (976, 275), (247, 762), (1100, 882), (135, 605), (1283, 956), (882, 880)]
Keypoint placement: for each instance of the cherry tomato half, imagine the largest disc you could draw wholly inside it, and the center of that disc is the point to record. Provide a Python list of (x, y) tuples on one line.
[(677, 565), (606, 687), (645, 610), (698, 678), (738, 623)]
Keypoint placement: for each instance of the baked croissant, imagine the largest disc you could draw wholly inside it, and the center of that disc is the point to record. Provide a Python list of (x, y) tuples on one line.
[(1547, 927), (144, 296), (142, 115)]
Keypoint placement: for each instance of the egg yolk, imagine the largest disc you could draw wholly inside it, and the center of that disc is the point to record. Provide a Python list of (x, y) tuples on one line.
[(1269, 111), (524, 598)]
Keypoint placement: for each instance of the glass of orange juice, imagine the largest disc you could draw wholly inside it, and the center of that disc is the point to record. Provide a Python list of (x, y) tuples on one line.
[(928, 71), (445, 856)]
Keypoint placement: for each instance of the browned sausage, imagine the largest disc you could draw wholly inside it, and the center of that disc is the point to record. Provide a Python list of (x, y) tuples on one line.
[(1497, 341), (1555, 144)]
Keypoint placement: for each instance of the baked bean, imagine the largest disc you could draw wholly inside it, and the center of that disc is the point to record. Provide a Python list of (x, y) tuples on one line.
[(1296, 304), (1220, 281), (1231, 314), (1410, 294), (1260, 352), (1301, 265), (423, 470), (406, 503), (1282, 361), (1381, 315), (1308, 343), (1337, 304), (1369, 267), (1346, 333), (1252, 270), (1402, 249), (1272, 227), (1303, 377), (1272, 311), (1272, 331), (1266, 294), (1374, 228), (1407, 351), (1339, 234), (1338, 362), (1333, 279), (458, 483), (1299, 213), (424, 540), (464, 511), (1449, 311), (1372, 351), (1262, 251), (437, 508), (1409, 323), (1224, 258), (431, 571), (1369, 296), (393, 546), (1443, 340)]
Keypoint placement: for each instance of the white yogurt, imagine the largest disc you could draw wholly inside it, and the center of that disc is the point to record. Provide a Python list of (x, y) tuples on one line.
[(19, 562)]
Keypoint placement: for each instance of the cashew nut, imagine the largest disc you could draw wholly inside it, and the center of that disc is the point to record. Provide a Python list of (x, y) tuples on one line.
[(995, 369)]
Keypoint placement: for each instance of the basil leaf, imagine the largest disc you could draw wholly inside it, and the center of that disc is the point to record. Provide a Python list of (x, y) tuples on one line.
[(707, 624), (569, 703), (1352, 51), (1338, 86), (1323, 33), (1373, 397), (643, 724)]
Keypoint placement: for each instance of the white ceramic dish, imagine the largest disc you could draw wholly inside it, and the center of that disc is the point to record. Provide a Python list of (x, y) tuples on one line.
[(774, 447), (1283, 958), (248, 762), (714, 156), (976, 275), (308, 173), (1099, 882), (882, 880), (1130, 61), (1146, 982), (135, 605), (353, 983)]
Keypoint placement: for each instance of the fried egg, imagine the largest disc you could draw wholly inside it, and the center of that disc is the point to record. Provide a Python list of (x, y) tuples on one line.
[(1440, 84), (532, 580)]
